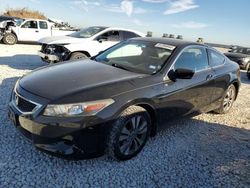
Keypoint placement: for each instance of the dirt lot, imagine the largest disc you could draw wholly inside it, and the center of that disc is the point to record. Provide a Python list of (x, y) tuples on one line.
[(208, 150)]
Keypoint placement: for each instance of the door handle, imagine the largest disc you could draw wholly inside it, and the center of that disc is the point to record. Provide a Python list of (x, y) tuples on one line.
[(37, 31), (209, 77)]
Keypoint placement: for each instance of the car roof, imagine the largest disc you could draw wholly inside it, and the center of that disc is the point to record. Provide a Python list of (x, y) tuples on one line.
[(124, 29), (169, 41)]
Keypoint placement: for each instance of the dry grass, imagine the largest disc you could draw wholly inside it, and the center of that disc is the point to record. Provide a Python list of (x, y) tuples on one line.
[(24, 13)]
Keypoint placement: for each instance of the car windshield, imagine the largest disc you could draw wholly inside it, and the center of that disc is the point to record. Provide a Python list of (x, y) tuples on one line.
[(137, 56), (242, 51), (19, 21), (87, 32)]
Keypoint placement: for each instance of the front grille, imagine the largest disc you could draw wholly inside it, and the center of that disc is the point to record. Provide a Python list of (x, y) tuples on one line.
[(53, 49), (24, 105)]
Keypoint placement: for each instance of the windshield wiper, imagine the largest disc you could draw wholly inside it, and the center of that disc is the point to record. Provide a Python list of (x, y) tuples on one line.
[(120, 66)]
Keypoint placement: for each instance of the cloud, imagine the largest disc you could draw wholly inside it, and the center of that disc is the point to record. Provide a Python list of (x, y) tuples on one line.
[(177, 6), (127, 7), (155, 1), (84, 4), (113, 8), (190, 25)]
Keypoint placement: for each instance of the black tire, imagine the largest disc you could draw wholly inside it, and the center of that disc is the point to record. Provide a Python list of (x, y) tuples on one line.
[(227, 100), (129, 133), (10, 39), (78, 55)]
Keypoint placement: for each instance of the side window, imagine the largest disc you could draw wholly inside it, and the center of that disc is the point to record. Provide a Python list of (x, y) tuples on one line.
[(194, 58), (110, 36), (216, 58), (43, 25), (129, 35), (30, 25)]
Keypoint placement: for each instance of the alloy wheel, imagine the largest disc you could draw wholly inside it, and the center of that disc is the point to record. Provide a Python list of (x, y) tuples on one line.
[(229, 98), (133, 135), (10, 39)]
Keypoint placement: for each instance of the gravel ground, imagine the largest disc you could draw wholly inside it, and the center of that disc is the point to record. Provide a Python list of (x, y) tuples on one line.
[(208, 150)]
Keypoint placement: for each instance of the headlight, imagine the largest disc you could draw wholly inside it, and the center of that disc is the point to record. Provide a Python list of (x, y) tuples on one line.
[(77, 109), (246, 59)]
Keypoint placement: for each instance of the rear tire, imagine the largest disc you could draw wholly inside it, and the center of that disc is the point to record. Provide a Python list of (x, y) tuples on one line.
[(10, 39), (227, 100), (78, 55), (129, 133)]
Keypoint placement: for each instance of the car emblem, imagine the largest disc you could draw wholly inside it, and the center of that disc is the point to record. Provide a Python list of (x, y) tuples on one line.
[(16, 99)]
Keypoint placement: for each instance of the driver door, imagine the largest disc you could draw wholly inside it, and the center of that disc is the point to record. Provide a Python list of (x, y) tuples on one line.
[(186, 96), (28, 31)]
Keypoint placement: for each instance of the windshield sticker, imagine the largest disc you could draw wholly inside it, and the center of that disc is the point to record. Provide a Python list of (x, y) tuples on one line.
[(165, 46)]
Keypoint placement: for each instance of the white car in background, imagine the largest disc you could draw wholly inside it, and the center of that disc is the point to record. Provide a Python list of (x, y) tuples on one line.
[(85, 43), (31, 30)]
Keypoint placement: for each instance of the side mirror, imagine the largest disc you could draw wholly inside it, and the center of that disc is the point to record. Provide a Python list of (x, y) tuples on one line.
[(101, 39), (180, 74), (184, 73)]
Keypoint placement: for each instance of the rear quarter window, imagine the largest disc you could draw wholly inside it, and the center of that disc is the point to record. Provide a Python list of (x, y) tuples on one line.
[(43, 25), (215, 58)]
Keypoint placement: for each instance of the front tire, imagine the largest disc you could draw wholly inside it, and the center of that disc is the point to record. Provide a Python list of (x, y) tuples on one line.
[(10, 39), (227, 100), (129, 133), (78, 55)]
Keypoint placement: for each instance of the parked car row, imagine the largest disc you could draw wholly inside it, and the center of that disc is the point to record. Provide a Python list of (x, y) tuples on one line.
[(118, 98), (241, 56)]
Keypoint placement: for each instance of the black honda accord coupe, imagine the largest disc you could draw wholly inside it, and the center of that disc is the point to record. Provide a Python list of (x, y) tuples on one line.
[(115, 101)]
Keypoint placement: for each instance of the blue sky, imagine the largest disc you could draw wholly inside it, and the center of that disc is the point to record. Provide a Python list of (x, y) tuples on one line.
[(218, 21)]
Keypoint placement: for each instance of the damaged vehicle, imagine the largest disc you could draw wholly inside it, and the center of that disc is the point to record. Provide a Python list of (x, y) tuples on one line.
[(6, 23), (85, 43), (28, 30)]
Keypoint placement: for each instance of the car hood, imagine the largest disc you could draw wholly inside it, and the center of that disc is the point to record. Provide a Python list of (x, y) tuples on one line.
[(54, 82), (236, 55), (60, 40)]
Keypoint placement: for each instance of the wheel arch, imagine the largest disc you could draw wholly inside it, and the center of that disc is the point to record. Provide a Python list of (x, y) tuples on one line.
[(152, 113), (149, 107), (14, 33), (237, 87), (80, 51)]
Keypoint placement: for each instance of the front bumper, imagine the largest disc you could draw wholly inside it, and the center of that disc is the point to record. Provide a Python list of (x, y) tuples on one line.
[(67, 138), (48, 57), (53, 53)]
